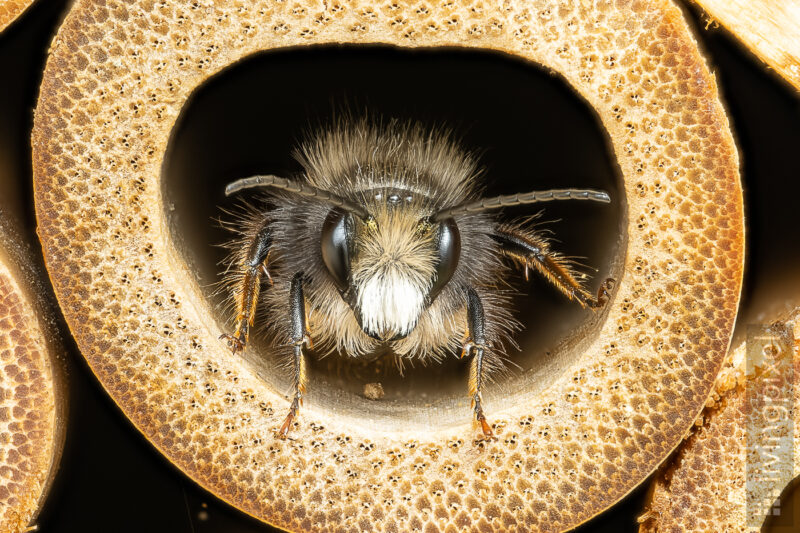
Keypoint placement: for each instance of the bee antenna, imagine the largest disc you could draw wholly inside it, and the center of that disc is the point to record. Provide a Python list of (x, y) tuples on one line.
[(302, 189), (496, 202)]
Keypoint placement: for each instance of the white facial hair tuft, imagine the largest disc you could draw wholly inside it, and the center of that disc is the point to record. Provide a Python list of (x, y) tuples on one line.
[(390, 304)]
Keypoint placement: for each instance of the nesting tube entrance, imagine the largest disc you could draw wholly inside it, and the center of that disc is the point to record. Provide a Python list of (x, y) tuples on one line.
[(232, 127), (112, 92)]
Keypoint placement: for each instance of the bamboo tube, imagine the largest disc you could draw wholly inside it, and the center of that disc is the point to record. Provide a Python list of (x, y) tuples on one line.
[(10, 10), (32, 402), (770, 29), (573, 438), (32, 390), (729, 473)]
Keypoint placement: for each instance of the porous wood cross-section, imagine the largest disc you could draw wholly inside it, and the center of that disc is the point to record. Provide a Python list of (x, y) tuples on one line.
[(10, 10), (722, 478), (770, 29), (117, 78), (30, 430)]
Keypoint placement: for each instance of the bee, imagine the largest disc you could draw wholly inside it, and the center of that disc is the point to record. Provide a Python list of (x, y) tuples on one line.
[(383, 242)]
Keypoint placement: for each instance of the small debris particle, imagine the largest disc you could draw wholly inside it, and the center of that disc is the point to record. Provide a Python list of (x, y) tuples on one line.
[(373, 391)]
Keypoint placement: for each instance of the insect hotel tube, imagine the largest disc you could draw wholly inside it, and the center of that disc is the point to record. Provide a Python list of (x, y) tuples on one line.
[(213, 135), (768, 28), (740, 458), (11, 10), (569, 443), (32, 401)]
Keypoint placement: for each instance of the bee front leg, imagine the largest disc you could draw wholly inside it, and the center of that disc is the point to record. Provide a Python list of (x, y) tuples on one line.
[(531, 250), (299, 337), (253, 265), (475, 343)]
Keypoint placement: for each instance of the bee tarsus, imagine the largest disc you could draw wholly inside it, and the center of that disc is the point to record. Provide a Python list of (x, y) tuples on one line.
[(283, 432), (485, 427), (235, 342)]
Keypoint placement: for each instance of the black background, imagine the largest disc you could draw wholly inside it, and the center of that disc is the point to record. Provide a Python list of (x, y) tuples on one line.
[(111, 479)]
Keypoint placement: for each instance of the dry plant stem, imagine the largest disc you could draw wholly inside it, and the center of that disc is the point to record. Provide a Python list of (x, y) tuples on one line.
[(706, 487), (10, 10), (770, 29), (31, 401), (117, 78)]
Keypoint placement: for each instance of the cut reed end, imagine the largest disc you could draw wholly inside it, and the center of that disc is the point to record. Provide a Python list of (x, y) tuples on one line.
[(32, 402), (117, 79)]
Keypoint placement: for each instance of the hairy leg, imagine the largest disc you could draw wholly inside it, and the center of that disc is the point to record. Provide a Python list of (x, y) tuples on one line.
[(475, 343), (253, 266), (298, 337), (530, 250)]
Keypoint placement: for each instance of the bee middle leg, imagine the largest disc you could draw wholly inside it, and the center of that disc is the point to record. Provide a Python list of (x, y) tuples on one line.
[(299, 336), (253, 265), (531, 250), (475, 343)]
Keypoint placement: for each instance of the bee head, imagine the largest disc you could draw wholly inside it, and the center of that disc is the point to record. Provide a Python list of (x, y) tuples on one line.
[(389, 255), (390, 265)]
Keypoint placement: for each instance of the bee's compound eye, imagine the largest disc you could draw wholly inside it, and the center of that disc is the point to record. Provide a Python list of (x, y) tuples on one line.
[(337, 231), (448, 251)]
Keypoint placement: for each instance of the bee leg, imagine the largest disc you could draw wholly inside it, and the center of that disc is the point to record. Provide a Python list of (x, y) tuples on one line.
[(299, 337), (476, 343), (529, 249), (253, 266)]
